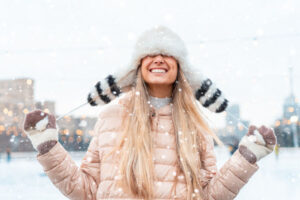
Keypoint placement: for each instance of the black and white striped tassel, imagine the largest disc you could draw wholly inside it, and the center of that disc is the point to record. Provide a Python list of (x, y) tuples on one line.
[(211, 97), (207, 94), (97, 96)]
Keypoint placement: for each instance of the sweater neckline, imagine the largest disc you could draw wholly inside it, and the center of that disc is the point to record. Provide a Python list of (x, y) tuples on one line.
[(159, 102)]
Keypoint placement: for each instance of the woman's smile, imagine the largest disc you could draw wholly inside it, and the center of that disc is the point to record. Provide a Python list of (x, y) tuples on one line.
[(158, 71)]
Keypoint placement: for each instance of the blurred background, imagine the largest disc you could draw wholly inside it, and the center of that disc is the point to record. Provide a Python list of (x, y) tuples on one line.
[(52, 52)]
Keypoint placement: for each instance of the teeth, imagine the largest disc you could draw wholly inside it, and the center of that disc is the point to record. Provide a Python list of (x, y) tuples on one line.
[(158, 70)]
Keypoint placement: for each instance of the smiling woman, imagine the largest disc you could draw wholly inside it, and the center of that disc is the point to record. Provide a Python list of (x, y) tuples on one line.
[(147, 150)]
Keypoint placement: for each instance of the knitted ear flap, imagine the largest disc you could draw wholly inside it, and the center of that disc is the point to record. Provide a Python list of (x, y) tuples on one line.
[(206, 93), (104, 91), (210, 96)]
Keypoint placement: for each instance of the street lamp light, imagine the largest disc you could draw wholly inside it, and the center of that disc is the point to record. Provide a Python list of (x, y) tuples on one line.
[(294, 119)]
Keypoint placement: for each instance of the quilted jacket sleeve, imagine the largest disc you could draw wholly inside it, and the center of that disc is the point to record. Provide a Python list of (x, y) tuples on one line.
[(232, 176), (73, 181)]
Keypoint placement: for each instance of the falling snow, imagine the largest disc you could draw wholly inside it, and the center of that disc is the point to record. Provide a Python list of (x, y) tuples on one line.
[(242, 55)]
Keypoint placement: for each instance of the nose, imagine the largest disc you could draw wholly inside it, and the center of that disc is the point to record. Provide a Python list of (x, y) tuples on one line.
[(158, 60)]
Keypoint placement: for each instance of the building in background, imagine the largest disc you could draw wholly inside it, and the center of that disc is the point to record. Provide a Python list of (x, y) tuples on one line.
[(235, 126), (234, 129), (287, 128), (75, 133), (17, 99), (17, 91)]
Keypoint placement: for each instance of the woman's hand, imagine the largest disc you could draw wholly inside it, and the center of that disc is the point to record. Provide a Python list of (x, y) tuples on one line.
[(40, 127), (258, 143)]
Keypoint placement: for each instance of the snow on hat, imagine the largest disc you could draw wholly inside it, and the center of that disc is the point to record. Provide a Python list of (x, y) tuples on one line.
[(159, 40)]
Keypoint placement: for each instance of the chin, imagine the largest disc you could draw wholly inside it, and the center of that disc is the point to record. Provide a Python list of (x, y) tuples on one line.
[(160, 83)]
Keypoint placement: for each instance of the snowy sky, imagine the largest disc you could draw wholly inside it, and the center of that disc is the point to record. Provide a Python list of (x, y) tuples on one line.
[(67, 46)]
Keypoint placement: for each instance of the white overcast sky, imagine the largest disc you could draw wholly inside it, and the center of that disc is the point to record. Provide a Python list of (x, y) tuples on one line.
[(67, 46)]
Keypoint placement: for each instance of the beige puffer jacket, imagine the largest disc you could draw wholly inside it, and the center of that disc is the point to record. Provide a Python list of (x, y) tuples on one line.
[(95, 178)]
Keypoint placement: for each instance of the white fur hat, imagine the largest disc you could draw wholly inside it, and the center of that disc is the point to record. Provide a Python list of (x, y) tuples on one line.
[(159, 40)]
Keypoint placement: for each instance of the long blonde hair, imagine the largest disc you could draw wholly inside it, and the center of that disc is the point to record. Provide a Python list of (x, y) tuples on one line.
[(135, 146)]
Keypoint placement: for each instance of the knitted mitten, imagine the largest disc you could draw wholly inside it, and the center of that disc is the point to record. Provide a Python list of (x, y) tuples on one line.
[(40, 127), (257, 143)]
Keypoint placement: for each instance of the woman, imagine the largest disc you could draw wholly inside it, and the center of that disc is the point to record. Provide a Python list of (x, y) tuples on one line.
[(152, 142)]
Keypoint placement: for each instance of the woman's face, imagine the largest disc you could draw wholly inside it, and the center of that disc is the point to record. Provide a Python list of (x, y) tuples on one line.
[(159, 70)]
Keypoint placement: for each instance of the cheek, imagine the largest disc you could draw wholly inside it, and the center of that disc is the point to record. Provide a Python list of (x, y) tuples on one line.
[(174, 70), (145, 62), (145, 73), (173, 76)]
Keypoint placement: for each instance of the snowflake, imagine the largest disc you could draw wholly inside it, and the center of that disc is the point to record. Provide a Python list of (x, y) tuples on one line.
[(89, 159)]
